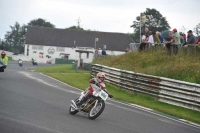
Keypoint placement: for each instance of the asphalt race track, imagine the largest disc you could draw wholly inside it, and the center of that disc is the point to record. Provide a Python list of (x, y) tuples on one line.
[(34, 103)]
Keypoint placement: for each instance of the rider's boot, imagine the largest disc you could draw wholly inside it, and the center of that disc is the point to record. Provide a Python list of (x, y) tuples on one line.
[(81, 101)]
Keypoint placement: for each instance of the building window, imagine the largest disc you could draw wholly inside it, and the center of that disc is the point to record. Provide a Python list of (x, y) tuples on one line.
[(87, 55), (60, 49), (35, 47), (40, 47)]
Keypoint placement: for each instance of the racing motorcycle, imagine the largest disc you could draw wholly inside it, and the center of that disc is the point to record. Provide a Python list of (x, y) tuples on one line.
[(94, 105), (2, 66), (34, 62), (20, 62)]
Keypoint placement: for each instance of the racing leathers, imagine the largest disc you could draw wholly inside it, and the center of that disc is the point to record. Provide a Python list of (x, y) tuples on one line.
[(95, 83)]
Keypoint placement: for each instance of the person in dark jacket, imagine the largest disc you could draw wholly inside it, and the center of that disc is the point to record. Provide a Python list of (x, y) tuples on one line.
[(191, 38), (103, 52)]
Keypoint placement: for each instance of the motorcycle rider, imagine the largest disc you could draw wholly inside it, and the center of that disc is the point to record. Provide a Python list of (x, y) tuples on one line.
[(4, 59), (20, 62), (93, 82)]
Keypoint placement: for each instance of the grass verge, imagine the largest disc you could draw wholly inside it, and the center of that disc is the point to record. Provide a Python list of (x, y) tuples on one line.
[(80, 80), (183, 66)]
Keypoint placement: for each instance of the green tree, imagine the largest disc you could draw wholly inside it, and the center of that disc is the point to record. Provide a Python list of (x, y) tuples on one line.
[(15, 38), (40, 23), (154, 21), (197, 30)]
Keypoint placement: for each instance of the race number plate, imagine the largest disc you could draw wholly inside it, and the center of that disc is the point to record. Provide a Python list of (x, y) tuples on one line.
[(103, 95)]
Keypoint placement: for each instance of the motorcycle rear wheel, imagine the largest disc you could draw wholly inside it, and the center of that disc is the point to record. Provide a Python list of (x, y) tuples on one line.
[(95, 112)]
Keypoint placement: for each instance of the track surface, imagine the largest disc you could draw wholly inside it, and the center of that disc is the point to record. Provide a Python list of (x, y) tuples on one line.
[(34, 103)]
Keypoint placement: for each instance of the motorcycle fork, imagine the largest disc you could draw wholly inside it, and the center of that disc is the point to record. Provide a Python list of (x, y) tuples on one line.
[(90, 104)]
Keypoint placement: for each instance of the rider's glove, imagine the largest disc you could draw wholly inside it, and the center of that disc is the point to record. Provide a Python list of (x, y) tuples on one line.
[(93, 82), (111, 96)]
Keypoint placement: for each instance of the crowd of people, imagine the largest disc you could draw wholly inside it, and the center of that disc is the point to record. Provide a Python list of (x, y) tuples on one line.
[(175, 39)]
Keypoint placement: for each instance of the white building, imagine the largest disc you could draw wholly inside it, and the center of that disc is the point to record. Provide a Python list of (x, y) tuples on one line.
[(44, 44)]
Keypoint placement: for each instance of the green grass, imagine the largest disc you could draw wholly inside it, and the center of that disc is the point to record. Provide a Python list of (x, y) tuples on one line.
[(80, 80), (181, 66)]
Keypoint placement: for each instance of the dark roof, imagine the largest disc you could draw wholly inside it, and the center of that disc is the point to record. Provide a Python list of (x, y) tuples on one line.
[(66, 37)]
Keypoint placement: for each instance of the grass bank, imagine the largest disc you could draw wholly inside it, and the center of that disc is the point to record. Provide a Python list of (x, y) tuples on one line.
[(80, 80), (182, 66)]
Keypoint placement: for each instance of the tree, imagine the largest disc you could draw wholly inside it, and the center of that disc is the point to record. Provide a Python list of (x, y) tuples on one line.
[(197, 30), (40, 23), (154, 21), (15, 38)]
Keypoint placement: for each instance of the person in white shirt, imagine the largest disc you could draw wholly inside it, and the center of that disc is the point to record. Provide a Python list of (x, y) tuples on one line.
[(142, 45), (99, 52), (151, 41)]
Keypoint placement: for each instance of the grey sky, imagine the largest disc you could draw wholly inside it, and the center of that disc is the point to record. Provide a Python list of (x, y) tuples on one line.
[(101, 15)]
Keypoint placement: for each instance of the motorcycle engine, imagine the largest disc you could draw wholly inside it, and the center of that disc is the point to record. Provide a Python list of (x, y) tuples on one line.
[(90, 100)]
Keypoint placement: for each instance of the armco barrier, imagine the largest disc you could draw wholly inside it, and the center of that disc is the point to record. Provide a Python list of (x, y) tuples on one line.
[(167, 90)]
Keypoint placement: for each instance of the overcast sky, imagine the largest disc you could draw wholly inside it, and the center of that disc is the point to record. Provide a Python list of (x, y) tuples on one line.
[(101, 15)]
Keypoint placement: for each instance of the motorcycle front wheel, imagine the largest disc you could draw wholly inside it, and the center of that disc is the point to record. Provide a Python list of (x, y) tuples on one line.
[(95, 112), (72, 111)]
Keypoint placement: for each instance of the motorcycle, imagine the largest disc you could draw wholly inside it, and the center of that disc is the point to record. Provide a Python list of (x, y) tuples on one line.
[(20, 63), (2, 66), (93, 106), (34, 63)]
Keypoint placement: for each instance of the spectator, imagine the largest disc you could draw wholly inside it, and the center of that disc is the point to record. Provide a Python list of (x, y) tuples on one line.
[(99, 52), (198, 42), (177, 41), (191, 38), (184, 38), (127, 49), (181, 38), (147, 34), (143, 44), (159, 36), (168, 43), (150, 39), (155, 38), (103, 52)]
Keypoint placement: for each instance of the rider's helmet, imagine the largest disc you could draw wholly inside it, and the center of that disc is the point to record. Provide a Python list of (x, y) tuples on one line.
[(3, 53), (101, 76)]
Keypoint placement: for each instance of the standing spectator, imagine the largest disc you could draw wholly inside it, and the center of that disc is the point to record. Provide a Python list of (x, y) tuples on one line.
[(184, 38), (127, 49), (181, 38), (198, 42), (168, 43), (103, 52), (191, 38), (155, 38), (147, 34), (159, 36), (150, 40), (177, 41), (143, 44), (99, 52)]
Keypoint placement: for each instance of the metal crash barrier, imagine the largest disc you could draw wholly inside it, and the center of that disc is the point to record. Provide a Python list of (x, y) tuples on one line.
[(167, 90)]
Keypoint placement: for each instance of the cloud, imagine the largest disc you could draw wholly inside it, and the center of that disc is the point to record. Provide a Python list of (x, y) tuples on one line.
[(101, 15)]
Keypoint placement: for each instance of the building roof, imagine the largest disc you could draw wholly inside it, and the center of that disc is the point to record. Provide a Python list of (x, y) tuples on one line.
[(76, 38)]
